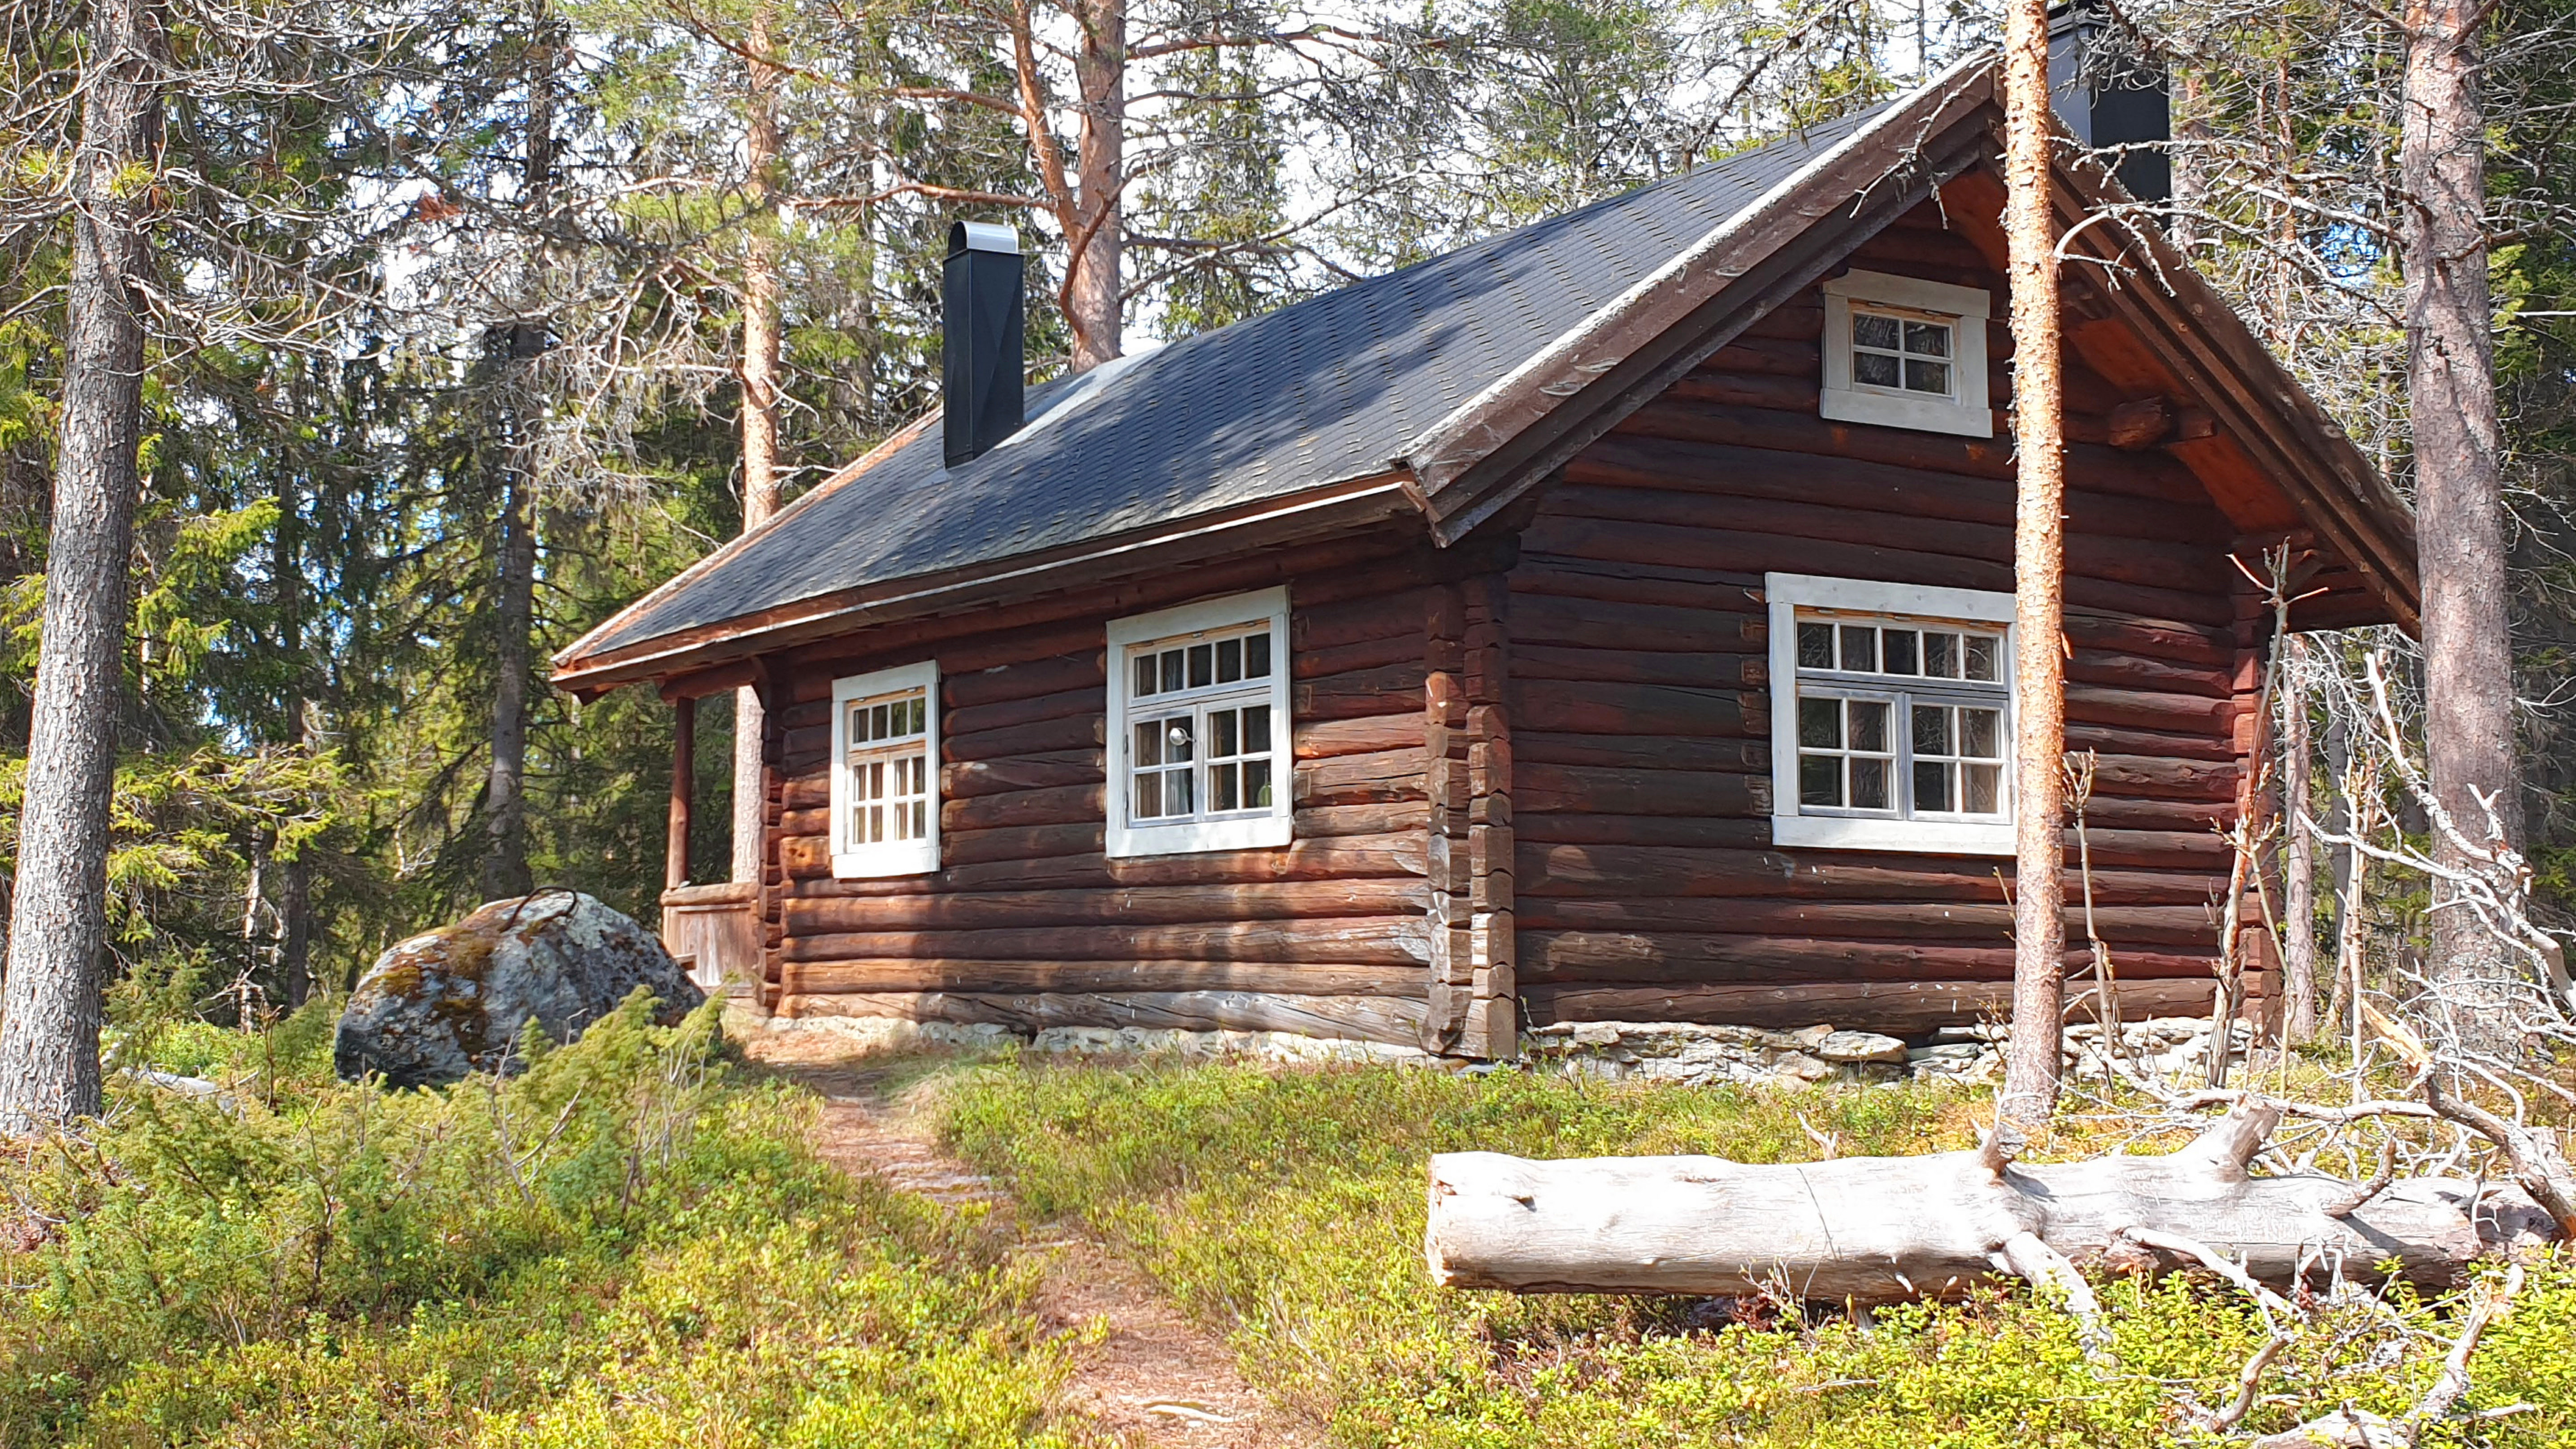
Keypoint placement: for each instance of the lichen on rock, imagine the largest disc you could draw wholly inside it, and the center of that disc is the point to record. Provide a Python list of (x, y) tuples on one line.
[(455, 1000)]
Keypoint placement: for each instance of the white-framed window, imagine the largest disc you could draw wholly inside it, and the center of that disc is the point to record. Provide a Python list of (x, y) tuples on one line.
[(1198, 727), (1891, 716), (1907, 353), (885, 772)]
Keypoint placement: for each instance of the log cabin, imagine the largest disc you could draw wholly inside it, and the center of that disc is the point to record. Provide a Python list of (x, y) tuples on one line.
[(1610, 620)]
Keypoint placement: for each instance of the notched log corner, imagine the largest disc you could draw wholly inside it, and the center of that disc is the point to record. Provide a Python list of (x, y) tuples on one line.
[(1892, 1229)]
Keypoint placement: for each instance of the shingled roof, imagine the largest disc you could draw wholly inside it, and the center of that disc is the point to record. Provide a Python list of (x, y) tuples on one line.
[(1326, 389)]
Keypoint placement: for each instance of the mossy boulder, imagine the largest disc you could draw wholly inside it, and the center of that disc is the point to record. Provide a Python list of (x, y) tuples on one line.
[(456, 999)]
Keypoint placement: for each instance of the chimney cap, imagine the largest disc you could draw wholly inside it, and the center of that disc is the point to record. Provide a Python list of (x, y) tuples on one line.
[(982, 236)]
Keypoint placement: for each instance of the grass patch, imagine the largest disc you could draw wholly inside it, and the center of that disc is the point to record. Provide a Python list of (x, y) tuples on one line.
[(1287, 1205), (630, 1245)]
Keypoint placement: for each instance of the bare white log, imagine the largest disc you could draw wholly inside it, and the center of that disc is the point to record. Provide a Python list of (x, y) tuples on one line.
[(1892, 1229)]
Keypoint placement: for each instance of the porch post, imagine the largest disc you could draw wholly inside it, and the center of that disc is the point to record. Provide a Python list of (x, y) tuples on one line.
[(684, 787)]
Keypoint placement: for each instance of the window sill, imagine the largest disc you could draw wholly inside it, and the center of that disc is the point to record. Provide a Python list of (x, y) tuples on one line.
[(1196, 836), (1919, 837), (1921, 414), (921, 859)]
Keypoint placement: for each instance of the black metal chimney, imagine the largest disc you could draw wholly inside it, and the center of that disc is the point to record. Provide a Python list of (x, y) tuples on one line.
[(2110, 93), (981, 364)]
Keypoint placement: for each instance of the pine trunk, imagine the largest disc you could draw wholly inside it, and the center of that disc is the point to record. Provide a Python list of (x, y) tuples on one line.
[(2468, 645), (1093, 291), (49, 1068), (2299, 886), (2033, 1057), (759, 412)]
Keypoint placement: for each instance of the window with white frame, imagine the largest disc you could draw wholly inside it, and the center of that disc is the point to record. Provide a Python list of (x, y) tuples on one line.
[(1198, 727), (885, 772), (1891, 716), (1906, 353)]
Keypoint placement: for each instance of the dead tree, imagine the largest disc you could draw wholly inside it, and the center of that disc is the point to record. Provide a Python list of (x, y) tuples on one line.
[(49, 1069), (2033, 1060)]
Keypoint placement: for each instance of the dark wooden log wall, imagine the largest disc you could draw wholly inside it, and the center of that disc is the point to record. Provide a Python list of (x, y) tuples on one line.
[(1645, 886), (1030, 924)]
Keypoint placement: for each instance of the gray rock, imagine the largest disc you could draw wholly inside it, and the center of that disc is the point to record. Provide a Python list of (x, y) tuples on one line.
[(454, 1001), (1859, 1046)]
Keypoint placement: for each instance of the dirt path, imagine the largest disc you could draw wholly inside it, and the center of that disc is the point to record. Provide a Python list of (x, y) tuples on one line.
[(1155, 1380)]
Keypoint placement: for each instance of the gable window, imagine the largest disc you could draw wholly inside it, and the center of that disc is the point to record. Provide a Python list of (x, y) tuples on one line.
[(1891, 716), (1906, 353), (885, 772), (1198, 727)]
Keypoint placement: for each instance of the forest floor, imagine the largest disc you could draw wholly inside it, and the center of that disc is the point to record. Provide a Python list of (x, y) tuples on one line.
[(1141, 1368)]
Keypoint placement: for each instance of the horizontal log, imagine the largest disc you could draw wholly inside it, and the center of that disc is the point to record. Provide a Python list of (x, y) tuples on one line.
[(1394, 689), (1609, 539), (1630, 709), (1603, 871), (1873, 1230), (1259, 903), (1639, 930), (1374, 941), (1608, 662), (2088, 467), (2209, 646), (1727, 471), (1900, 1008), (1368, 734), (1361, 779), (1586, 623), (1392, 1020), (1778, 356), (1052, 674), (1749, 831), (1048, 770), (2111, 740), (2139, 709), (1591, 957), (1081, 701), (1324, 822), (1641, 752), (1378, 614), (834, 977), (1541, 786), (2161, 778), (1073, 732), (1400, 648), (1052, 805), (1385, 860), (1678, 586), (2113, 812)]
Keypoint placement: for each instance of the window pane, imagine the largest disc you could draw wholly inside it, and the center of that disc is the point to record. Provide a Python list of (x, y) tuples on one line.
[(1256, 783), (1941, 655), (1176, 793), (921, 715), (1222, 791), (1149, 742), (1927, 339), (1815, 646), (1898, 646), (1984, 789), (1931, 377), (1870, 330), (1874, 368), (1171, 669), (1931, 730), (1202, 665), (1820, 780), (1868, 725), (1820, 723), (1149, 796), (1229, 660), (1256, 729), (1869, 784), (1931, 787), (1860, 647), (1144, 675), (1980, 651), (1981, 733), (878, 726), (1256, 656), (1179, 732), (1221, 732)]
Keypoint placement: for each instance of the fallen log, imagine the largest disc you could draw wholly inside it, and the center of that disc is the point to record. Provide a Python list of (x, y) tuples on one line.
[(1874, 1230)]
